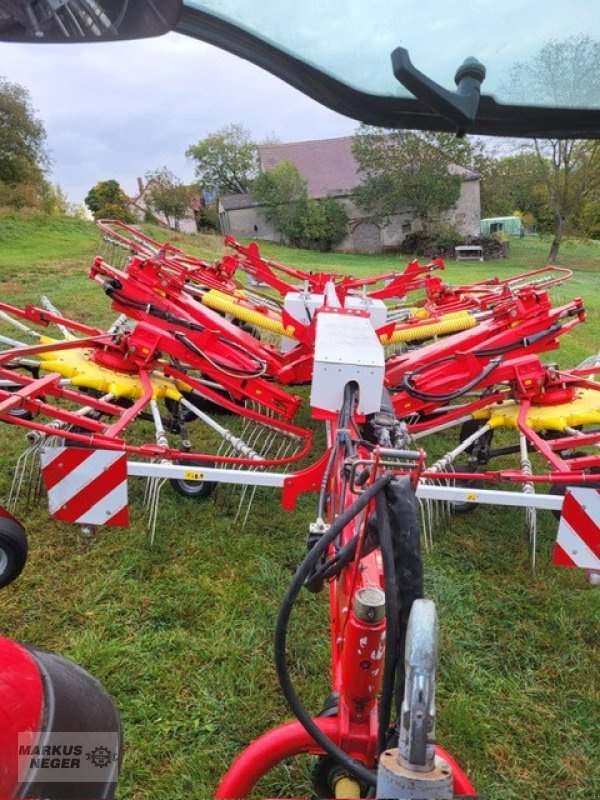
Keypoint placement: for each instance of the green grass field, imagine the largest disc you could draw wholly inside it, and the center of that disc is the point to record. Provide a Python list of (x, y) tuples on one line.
[(181, 633)]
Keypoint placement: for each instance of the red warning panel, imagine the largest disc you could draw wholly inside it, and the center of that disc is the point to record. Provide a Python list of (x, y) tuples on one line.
[(578, 538), (87, 487)]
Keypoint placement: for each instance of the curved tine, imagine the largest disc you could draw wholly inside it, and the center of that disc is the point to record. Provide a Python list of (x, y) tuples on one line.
[(147, 487), (149, 494), (528, 488), (18, 477), (443, 508), (32, 480), (435, 513), (423, 520), (249, 506), (531, 523), (450, 505), (430, 523), (423, 514), (240, 503), (49, 306), (155, 508)]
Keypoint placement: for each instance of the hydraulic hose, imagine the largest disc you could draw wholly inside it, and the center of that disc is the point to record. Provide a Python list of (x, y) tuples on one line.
[(428, 397), (304, 570)]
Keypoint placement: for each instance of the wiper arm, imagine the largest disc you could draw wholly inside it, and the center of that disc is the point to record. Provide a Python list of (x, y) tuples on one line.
[(459, 107)]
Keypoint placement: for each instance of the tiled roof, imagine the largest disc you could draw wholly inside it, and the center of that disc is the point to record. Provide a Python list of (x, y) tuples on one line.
[(327, 165), (232, 202)]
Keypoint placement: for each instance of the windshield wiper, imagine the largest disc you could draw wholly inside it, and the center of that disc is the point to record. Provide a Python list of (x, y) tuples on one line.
[(459, 107)]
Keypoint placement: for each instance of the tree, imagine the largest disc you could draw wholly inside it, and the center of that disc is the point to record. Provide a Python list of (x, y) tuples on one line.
[(408, 170), (168, 195), (54, 201), (322, 223), (282, 191), (514, 182), (106, 200), (305, 223), (226, 160), (23, 154), (563, 71)]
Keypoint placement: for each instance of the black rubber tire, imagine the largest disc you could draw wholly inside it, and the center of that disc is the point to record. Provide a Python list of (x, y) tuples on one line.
[(247, 328), (21, 413), (465, 507), (13, 550), (468, 428), (195, 490)]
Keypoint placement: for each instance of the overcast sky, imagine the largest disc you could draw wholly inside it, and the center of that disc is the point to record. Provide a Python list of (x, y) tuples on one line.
[(118, 110)]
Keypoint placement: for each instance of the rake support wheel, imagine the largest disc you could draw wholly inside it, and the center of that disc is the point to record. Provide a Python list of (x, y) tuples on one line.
[(192, 488), (13, 550)]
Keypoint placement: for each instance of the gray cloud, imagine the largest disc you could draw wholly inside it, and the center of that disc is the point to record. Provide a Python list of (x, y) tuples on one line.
[(117, 110)]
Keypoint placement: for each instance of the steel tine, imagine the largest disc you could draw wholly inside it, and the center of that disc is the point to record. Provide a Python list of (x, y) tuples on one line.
[(531, 523), (32, 479), (239, 508), (424, 523), (155, 508), (147, 492), (249, 506), (18, 477)]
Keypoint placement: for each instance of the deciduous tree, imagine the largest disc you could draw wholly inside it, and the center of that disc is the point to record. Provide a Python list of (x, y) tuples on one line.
[(282, 191), (408, 170), (561, 73), (23, 154), (226, 160), (168, 195), (106, 200)]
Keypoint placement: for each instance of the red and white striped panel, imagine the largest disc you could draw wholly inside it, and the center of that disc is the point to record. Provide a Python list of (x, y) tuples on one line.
[(578, 538), (86, 486)]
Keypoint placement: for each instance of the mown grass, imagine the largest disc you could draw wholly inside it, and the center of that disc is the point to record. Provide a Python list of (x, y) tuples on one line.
[(181, 633)]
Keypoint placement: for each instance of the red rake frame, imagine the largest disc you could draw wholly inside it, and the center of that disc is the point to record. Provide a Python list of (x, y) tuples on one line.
[(356, 678)]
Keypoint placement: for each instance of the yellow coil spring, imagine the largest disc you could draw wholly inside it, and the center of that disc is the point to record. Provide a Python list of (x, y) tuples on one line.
[(423, 313), (222, 302), (450, 323)]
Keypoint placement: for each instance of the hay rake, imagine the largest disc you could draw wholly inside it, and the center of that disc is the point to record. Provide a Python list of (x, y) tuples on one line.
[(89, 392), (178, 351)]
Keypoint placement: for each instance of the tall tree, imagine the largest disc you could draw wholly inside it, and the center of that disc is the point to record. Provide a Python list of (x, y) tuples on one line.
[(23, 154), (514, 182), (563, 73), (409, 170), (282, 190), (168, 195), (226, 160), (106, 200)]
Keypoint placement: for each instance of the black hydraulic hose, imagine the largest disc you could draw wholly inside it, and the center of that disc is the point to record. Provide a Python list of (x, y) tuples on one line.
[(304, 570), (525, 341), (392, 616), (428, 397)]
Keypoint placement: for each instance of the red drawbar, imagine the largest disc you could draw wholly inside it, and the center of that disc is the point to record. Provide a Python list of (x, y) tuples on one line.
[(289, 740)]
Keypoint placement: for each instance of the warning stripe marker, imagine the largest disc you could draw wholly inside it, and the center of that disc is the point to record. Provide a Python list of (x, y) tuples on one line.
[(86, 487), (578, 537)]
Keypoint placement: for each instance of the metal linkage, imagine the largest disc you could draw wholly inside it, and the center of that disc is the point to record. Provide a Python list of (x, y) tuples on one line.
[(413, 770)]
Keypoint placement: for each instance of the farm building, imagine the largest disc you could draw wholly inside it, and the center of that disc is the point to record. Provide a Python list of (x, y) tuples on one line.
[(511, 226), (330, 169)]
